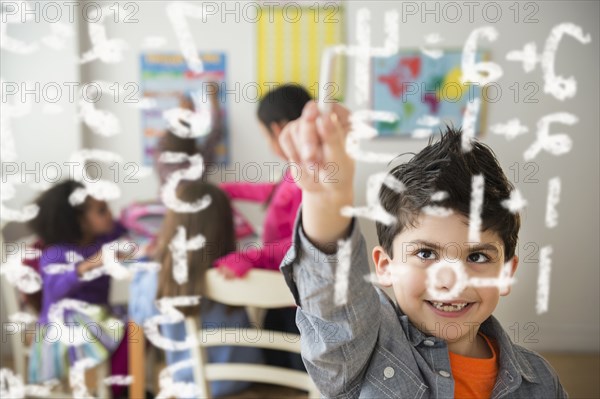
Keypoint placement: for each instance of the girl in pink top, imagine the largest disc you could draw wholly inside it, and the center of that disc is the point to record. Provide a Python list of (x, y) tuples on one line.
[(282, 199)]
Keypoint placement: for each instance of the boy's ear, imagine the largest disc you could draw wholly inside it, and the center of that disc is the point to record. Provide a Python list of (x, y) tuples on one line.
[(382, 266), (514, 264)]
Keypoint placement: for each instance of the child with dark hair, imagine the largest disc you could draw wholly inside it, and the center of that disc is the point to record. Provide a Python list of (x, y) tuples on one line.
[(437, 337), (277, 108), (73, 235)]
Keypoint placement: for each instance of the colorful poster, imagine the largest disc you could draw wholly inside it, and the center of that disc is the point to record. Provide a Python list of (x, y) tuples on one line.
[(424, 92), (290, 42), (166, 79)]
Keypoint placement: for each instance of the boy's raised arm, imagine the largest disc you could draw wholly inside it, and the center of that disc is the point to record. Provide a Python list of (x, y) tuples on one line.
[(317, 143), (337, 337)]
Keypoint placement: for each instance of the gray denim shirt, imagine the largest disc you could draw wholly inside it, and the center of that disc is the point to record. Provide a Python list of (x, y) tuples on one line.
[(369, 349)]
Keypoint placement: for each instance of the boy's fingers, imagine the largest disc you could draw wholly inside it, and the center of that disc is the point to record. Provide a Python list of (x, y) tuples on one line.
[(287, 143), (310, 110), (331, 131), (306, 139), (343, 115)]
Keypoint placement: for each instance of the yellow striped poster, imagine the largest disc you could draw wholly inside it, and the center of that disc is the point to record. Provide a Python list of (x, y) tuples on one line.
[(291, 40)]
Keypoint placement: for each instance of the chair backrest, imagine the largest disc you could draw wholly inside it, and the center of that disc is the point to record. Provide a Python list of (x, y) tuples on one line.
[(262, 289), (10, 298), (17, 342)]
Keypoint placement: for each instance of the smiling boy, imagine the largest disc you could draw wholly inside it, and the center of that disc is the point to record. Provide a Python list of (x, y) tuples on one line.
[(437, 337)]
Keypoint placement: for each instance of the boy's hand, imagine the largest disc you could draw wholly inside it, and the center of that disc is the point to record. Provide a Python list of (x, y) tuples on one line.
[(318, 143)]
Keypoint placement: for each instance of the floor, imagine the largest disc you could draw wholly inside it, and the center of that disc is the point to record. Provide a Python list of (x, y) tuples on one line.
[(579, 374), (269, 391)]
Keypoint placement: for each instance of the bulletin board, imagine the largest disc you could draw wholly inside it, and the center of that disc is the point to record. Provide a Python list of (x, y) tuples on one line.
[(290, 41), (414, 85), (166, 79)]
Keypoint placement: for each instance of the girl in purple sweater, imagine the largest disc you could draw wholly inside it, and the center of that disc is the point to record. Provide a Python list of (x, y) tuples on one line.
[(73, 236)]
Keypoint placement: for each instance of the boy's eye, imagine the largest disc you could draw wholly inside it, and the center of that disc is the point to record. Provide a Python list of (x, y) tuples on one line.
[(478, 257), (426, 254)]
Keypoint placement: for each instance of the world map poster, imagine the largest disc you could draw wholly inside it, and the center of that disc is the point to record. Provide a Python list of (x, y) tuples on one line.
[(425, 93)]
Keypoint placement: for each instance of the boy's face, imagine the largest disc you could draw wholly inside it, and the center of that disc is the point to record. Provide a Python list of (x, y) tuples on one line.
[(443, 239)]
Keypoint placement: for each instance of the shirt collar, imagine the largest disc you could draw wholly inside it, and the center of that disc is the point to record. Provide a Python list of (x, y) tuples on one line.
[(511, 361), (414, 335), (512, 367)]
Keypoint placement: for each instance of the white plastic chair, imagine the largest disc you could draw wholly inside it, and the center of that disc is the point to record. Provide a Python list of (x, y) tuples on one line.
[(20, 350), (261, 289)]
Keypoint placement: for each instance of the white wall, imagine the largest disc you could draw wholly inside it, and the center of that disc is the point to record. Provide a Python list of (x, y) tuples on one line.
[(572, 322), (40, 138)]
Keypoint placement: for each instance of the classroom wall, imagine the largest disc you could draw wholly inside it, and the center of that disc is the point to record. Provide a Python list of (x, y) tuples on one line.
[(40, 136), (572, 322)]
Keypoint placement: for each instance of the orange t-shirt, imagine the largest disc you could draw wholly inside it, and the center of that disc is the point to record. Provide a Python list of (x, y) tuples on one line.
[(474, 377)]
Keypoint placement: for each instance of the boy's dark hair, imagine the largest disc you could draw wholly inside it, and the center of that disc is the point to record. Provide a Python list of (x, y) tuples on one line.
[(282, 104), (444, 166), (58, 222)]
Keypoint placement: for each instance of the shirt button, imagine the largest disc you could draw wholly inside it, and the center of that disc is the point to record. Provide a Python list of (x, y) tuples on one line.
[(388, 372), (428, 342), (444, 373)]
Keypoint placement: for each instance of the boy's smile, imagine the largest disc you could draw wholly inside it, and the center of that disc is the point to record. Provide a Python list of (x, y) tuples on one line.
[(443, 303), (450, 309)]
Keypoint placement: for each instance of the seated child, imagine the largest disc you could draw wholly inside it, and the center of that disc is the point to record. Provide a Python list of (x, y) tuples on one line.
[(74, 235), (436, 337), (215, 223)]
